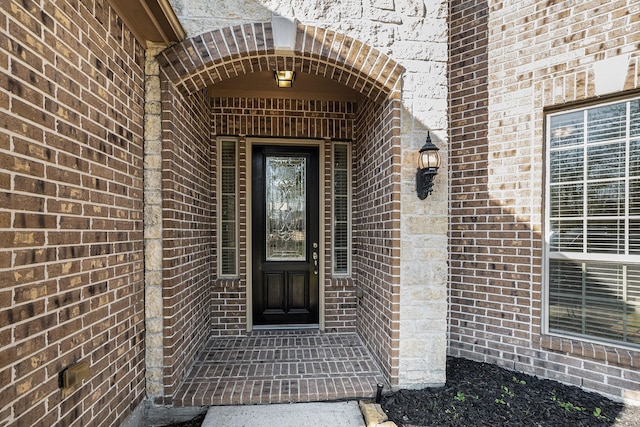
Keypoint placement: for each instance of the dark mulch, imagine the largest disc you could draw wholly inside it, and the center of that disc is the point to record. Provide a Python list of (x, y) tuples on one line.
[(480, 394)]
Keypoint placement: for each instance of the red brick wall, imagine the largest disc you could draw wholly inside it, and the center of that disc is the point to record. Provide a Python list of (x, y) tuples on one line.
[(473, 216), (508, 62), (281, 118), (71, 260), (376, 231), (187, 221)]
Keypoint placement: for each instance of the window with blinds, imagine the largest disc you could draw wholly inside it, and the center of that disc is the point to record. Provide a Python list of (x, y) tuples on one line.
[(227, 209), (341, 209), (593, 222)]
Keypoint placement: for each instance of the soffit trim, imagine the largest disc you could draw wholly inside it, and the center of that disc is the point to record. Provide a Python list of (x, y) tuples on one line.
[(150, 20)]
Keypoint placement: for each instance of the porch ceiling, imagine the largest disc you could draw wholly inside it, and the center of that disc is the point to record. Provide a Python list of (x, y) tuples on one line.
[(305, 86)]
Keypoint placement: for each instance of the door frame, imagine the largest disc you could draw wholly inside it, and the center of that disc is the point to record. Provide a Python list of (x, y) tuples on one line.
[(320, 144)]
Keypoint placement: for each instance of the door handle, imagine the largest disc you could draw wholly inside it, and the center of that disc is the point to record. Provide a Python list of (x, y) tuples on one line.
[(315, 260)]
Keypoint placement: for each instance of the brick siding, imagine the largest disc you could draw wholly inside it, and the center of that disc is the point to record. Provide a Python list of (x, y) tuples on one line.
[(508, 62), (187, 224), (71, 252), (376, 232), (285, 118)]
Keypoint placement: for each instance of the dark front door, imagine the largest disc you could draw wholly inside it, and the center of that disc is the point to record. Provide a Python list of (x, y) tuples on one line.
[(285, 215)]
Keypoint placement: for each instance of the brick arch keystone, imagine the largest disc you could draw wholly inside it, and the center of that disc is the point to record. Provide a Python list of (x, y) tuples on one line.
[(221, 54)]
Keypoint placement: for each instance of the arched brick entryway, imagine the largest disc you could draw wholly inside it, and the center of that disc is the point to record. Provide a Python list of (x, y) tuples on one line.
[(178, 204), (225, 53)]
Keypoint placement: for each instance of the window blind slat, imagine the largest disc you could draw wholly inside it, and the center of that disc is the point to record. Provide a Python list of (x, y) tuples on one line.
[(567, 129), (589, 299), (606, 161), (605, 236), (566, 200), (566, 236), (606, 198), (227, 205), (606, 122), (341, 215), (567, 165), (634, 117)]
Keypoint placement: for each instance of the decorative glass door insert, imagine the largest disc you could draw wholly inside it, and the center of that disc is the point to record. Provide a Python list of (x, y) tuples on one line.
[(286, 208), (285, 227)]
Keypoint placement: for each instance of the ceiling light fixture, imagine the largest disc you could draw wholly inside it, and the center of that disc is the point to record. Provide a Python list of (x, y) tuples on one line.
[(284, 78)]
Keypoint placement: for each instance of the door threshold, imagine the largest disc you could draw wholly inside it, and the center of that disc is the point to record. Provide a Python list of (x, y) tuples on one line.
[(286, 327)]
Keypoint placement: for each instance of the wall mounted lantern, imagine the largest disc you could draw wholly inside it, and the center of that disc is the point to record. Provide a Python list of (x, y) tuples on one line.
[(284, 78), (428, 165)]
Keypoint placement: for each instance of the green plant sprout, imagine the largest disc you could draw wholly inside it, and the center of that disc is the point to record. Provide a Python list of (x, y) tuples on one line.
[(459, 396), (567, 406), (516, 380), (598, 414), (508, 392)]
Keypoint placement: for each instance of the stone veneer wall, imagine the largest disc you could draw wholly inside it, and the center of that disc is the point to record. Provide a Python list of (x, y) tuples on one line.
[(281, 118), (71, 250), (509, 61)]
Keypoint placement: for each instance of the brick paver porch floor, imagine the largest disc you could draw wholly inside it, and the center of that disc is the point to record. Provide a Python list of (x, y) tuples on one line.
[(280, 367)]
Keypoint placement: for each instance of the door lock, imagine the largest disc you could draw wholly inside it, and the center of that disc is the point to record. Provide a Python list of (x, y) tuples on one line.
[(315, 260)]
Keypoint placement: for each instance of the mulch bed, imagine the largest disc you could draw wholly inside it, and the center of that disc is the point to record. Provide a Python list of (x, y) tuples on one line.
[(480, 394)]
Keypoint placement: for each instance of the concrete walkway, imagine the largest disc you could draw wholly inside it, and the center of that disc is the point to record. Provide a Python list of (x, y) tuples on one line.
[(318, 414)]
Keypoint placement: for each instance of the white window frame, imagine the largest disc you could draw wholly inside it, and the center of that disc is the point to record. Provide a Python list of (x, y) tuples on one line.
[(579, 258), (349, 195), (220, 142)]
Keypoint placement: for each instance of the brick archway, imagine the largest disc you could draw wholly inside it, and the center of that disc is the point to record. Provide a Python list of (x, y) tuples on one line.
[(221, 54), (177, 78)]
